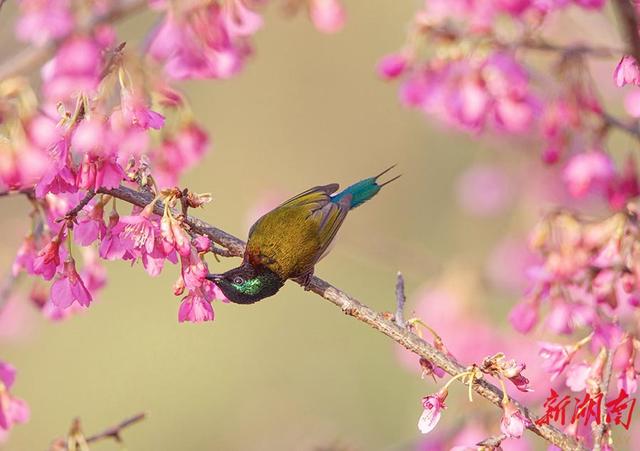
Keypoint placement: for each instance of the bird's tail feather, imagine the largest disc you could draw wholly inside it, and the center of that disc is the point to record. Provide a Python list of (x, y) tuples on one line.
[(363, 190)]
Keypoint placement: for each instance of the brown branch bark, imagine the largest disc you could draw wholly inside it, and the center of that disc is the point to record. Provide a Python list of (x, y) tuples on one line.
[(32, 57), (352, 307)]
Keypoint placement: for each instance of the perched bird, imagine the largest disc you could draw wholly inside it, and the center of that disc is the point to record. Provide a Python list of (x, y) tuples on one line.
[(288, 241)]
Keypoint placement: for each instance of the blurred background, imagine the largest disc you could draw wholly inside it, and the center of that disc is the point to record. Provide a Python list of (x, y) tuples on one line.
[(291, 372)]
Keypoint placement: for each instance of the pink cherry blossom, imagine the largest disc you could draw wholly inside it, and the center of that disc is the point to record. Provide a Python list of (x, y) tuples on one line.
[(12, 410), (202, 243), (197, 44), (175, 235), (179, 153), (42, 21), (239, 19), (623, 186), (627, 378), (141, 230), (48, 259), (328, 16), (392, 66), (484, 190), (69, 288), (433, 406), (586, 171), (195, 308), (524, 316), (59, 177), (577, 375), (513, 423), (626, 72), (93, 272), (90, 226), (556, 358), (136, 112), (74, 69), (25, 257), (193, 270)]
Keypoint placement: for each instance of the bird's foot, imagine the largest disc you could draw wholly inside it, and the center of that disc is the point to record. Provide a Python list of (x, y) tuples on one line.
[(305, 281)]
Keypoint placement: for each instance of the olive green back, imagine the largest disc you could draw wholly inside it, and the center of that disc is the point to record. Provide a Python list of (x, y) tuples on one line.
[(290, 239)]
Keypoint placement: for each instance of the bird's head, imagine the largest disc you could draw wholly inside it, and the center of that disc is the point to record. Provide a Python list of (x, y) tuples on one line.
[(247, 284)]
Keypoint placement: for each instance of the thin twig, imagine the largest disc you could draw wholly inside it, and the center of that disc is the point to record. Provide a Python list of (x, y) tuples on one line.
[(71, 214), (601, 427), (400, 300), (7, 288), (352, 307), (32, 57), (75, 439), (115, 431), (612, 121), (627, 14), (449, 33)]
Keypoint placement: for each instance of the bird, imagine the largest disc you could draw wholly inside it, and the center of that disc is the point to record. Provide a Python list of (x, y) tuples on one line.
[(288, 241)]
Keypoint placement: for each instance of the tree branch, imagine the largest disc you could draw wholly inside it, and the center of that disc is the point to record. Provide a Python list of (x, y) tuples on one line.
[(627, 14), (115, 431), (76, 440), (600, 428), (32, 57), (352, 307)]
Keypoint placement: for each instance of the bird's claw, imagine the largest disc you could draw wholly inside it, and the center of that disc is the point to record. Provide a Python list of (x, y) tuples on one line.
[(305, 281)]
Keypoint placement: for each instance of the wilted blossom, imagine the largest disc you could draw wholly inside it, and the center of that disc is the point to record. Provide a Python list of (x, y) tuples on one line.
[(12, 410), (433, 406)]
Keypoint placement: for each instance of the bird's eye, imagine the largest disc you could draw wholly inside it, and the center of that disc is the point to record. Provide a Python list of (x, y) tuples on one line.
[(238, 280)]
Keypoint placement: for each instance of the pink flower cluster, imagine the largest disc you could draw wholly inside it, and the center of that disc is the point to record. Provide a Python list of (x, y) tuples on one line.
[(472, 94), (491, 88), (588, 284), (96, 129)]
